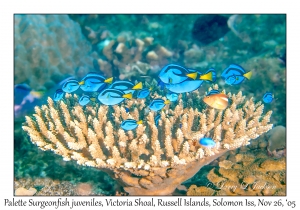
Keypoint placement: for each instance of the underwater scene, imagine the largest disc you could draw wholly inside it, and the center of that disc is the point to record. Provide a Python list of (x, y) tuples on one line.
[(150, 104)]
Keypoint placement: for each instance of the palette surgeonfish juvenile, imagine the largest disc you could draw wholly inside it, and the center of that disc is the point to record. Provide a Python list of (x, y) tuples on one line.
[(113, 96), (70, 86), (93, 82), (268, 97), (126, 86), (58, 95), (85, 99), (172, 96), (173, 74), (158, 104), (143, 93), (216, 100), (207, 142), (235, 74), (130, 124), (190, 85)]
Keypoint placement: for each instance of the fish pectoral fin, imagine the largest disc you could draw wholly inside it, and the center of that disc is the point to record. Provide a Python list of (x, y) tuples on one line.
[(109, 80), (248, 75), (138, 86), (207, 76), (192, 75)]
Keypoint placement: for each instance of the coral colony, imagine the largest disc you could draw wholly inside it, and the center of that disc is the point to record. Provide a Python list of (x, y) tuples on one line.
[(150, 145)]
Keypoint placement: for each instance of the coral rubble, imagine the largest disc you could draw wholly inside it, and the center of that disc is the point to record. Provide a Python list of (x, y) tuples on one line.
[(151, 160)]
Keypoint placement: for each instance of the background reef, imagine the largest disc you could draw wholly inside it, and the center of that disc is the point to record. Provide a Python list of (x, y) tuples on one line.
[(50, 48)]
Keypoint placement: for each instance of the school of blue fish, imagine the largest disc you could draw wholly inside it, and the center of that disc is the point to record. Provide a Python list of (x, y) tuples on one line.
[(175, 78)]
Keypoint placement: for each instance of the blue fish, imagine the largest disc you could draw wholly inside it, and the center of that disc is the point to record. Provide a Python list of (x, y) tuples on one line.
[(113, 96), (172, 96), (235, 74), (70, 86), (158, 104), (59, 94), (173, 74), (126, 86), (93, 82), (207, 142), (144, 93), (22, 91), (126, 109), (85, 99), (212, 92), (156, 119), (185, 86), (268, 97), (130, 124)]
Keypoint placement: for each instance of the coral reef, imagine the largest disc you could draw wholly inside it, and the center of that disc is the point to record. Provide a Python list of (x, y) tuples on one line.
[(47, 48), (50, 187), (152, 160), (247, 173)]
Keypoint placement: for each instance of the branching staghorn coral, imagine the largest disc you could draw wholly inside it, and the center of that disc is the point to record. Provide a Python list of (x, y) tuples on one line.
[(151, 160)]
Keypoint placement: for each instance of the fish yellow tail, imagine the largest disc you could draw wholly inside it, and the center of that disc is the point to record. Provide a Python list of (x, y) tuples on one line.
[(128, 96), (138, 86), (167, 102), (151, 88), (109, 80), (192, 75), (207, 76), (139, 122), (248, 75), (93, 99), (81, 83)]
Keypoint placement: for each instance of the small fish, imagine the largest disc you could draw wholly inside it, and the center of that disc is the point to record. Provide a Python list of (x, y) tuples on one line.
[(126, 86), (130, 124), (85, 99), (172, 96), (185, 86), (207, 142), (22, 91), (113, 96), (59, 94), (144, 93), (70, 86), (235, 74), (158, 104), (173, 74), (268, 97), (156, 119), (216, 100), (92, 82)]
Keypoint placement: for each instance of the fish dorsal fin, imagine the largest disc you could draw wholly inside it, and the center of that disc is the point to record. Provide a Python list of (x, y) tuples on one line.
[(192, 75), (248, 75), (138, 86), (207, 76)]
